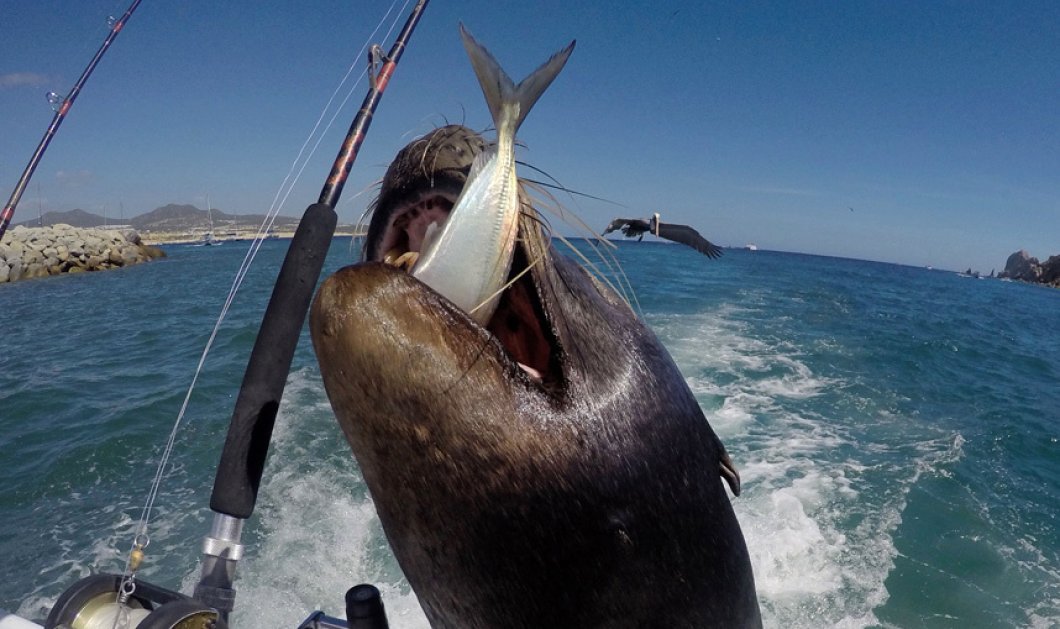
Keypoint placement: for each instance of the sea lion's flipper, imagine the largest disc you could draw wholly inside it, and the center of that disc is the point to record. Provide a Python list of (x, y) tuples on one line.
[(729, 473)]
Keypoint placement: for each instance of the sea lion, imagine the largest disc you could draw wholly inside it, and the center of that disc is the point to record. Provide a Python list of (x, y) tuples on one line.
[(549, 469)]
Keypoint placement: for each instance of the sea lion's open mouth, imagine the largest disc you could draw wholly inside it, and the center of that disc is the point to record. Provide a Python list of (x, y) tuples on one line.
[(415, 202), (519, 322)]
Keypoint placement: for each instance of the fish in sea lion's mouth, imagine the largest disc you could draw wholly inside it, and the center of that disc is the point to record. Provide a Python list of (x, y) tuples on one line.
[(451, 209), (534, 454), (420, 189)]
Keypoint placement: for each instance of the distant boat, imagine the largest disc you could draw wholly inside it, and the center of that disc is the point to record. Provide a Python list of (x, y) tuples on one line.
[(208, 238), (751, 247)]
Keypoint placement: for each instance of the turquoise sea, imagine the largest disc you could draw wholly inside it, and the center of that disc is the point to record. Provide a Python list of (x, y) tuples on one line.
[(897, 430)]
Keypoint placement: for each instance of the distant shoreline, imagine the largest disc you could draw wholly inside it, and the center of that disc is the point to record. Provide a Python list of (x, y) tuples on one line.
[(159, 238)]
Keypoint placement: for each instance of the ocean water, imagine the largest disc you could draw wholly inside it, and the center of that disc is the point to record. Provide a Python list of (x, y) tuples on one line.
[(897, 430)]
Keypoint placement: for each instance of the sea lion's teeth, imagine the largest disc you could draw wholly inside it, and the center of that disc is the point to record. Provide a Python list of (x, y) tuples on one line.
[(534, 373), (392, 256), (407, 260)]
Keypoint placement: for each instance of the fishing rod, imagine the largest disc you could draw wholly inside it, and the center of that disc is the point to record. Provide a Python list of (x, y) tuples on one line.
[(106, 600), (246, 446), (60, 115)]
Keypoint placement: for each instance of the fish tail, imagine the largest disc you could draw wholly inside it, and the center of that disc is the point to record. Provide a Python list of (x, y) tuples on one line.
[(509, 103)]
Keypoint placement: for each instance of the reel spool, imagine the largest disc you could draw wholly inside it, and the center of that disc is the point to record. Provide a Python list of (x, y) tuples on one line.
[(91, 603)]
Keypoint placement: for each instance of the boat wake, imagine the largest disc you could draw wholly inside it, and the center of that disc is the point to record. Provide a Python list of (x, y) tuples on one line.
[(317, 534), (821, 500)]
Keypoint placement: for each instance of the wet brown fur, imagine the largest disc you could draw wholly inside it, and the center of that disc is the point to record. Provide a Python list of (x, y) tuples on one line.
[(590, 498)]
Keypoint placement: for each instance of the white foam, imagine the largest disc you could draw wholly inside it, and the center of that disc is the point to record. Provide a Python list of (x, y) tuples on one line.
[(810, 569), (318, 534), (821, 549)]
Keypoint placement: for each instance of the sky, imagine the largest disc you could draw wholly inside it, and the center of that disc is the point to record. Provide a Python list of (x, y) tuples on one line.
[(920, 133)]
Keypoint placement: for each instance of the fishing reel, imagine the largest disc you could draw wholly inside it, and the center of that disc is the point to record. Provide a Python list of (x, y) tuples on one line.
[(93, 603)]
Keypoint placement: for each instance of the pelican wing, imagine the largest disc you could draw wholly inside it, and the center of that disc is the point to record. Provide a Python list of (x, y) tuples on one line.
[(616, 224), (688, 236)]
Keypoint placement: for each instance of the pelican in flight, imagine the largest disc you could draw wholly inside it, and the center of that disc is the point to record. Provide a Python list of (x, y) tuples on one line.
[(636, 227)]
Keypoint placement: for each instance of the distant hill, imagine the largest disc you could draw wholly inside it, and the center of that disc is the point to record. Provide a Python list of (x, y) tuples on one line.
[(76, 218), (169, 218), (172, 214), (174, 217)]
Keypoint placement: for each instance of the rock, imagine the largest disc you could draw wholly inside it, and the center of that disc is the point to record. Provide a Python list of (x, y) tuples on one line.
[(1051, 271), (130, 254), (1021, 266), (29, 252), (32, 256), (34, 270), (152, 252)]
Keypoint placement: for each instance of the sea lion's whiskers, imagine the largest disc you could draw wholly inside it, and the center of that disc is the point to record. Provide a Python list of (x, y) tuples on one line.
[(551, 204), (359, 226), (428, 172), (590, 266)]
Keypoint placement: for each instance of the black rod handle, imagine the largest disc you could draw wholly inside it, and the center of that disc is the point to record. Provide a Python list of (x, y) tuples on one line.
[(235, 489), (242, 462)]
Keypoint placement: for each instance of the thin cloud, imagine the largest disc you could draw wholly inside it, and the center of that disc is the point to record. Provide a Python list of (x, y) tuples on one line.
[(22, 79), (74, 178)]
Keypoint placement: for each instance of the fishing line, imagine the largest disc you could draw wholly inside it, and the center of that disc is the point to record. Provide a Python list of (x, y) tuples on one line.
[(141, 539), (288, 184), (281, 194)]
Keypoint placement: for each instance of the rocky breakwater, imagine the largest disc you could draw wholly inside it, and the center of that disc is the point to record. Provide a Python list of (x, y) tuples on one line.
[(31, 252), (1021, 266)]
